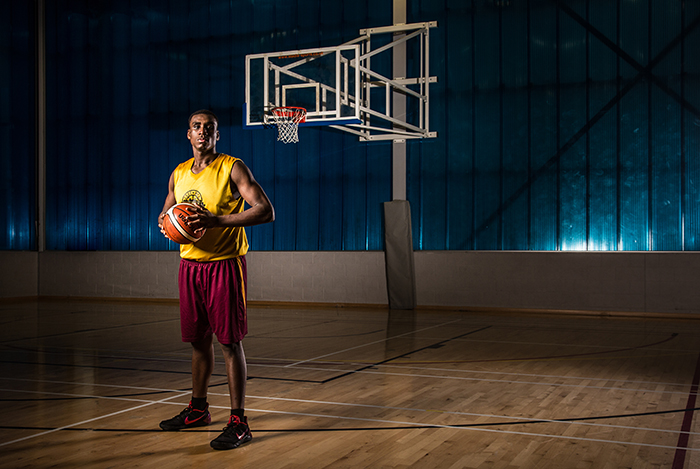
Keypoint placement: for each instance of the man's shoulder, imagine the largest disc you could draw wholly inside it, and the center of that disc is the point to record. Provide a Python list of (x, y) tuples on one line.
[(228, 158), (229, 162), (185, 164)]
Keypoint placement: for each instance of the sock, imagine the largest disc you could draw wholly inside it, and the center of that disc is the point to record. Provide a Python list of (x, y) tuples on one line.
[(199, 403), (238, 413)]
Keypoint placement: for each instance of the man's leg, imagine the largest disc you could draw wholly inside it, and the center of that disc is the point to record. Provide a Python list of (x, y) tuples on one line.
[(236, 372), (202, 366), (237, 431), (197, 413)]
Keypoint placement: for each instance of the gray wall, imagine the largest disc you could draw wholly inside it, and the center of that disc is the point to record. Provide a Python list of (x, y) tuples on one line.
[(630, 282), (19, 274)]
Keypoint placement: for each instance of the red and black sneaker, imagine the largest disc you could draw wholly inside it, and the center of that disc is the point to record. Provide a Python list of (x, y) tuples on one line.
[(235, 434), (188, 418)]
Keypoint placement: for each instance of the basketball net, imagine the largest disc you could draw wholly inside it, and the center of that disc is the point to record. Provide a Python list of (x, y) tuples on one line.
[(287, 120)]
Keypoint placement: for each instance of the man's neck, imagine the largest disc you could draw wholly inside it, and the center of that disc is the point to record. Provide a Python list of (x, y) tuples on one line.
[(202, 160), (209, 155)]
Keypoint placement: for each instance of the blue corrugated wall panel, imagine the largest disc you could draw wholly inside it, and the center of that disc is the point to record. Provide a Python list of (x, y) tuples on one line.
[(690, 137), (562, 124), (568, 142), (17, 127)]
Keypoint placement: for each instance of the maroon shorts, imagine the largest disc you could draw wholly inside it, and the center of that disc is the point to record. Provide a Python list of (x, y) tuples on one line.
[(213, 300)]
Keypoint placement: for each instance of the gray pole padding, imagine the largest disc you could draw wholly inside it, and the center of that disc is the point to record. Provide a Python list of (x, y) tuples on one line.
[(398, 253)]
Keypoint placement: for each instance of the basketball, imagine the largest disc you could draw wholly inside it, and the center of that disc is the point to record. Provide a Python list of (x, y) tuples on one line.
[(176, 226)]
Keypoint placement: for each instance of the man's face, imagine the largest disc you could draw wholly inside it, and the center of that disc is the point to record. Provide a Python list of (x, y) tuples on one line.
[(203, 132)]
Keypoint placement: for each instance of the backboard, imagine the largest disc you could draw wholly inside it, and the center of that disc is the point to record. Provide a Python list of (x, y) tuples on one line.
[(349, 87), (320, 80)]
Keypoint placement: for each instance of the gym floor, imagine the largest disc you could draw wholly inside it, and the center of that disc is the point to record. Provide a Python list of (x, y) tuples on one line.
[(85, 384)]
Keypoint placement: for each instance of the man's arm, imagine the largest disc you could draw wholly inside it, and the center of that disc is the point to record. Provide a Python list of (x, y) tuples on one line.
[(259, 212), (169, 202)]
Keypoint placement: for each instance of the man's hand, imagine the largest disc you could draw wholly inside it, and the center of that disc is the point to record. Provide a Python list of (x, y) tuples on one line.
[(202, 218), (160, 224)]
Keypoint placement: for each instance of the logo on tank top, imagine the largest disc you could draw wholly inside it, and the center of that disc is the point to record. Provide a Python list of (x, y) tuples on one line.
[(193, 197)]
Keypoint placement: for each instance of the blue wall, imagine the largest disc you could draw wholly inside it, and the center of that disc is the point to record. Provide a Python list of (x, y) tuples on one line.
[(561, 125), (17, 127)]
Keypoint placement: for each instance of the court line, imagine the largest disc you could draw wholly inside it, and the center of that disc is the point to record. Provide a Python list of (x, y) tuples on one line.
[(479, 429), (157, 370), (343, 372), (403, 366), (408, 366), (464, 378), (359, 419), (373, 343), (682, 445), (63, 427), (429, 376), (536, 358), (560, 358), (534, 375), (73, 383), (97, 367), (435, 345), (553, 344), (85, 331), (95, 396), (314, 337), (71, 351), (524, 420), (384, 421)]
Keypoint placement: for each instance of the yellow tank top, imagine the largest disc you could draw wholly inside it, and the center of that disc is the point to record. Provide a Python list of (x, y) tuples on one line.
[(212, 189)]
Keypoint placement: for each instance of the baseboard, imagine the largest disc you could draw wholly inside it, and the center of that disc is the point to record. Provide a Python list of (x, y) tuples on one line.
[(310, 305), (18, 299), (561, 312), (102, 299), (378, 307)]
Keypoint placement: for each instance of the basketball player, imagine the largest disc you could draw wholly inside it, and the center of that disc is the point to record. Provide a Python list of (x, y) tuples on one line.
[(212, 275)]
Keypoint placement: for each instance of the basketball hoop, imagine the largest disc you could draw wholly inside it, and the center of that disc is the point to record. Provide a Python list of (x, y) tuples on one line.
[(287, 120)]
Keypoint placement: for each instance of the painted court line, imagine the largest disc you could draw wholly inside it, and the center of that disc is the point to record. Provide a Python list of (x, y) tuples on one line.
[(72, 383), (408, 366), (371, 343), (534, 375), (465, 378), (326, 416), (470, 414), (682, 445), (401, 367), (479, 429), (305, 401), (89, 420)]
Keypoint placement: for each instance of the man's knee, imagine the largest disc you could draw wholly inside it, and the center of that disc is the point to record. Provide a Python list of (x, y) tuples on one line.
[(232, 350), (203, 345)]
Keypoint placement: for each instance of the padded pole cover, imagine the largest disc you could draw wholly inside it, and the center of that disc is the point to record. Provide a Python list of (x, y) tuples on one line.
[(398, 254)]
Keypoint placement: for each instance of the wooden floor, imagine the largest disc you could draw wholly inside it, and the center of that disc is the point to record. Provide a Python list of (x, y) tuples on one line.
[(86, 384)]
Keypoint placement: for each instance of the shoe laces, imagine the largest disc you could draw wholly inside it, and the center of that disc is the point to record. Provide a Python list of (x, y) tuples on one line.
[(186, 411), (233, 423)]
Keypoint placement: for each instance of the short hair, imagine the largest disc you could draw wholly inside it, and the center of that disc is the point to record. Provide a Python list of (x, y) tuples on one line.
[(203, 111)]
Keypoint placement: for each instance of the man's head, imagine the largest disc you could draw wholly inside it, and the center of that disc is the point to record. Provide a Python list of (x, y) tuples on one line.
[(205, 112), (203, 131)]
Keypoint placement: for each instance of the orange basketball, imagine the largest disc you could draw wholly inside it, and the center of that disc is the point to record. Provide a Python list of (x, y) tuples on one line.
[(176, 226)]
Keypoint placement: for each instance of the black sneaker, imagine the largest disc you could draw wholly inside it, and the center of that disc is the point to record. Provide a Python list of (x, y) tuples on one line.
[(235, 434), (188, 418)]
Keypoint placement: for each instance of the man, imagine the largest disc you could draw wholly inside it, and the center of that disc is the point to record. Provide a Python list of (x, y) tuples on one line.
[(212, 275)]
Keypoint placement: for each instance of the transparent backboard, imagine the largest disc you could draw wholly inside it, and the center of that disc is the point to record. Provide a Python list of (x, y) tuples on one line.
[(375, 86), (324, 81)]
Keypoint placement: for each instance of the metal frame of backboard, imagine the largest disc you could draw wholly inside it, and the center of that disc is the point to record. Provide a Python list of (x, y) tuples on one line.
[(350, 88), (276, 68)]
